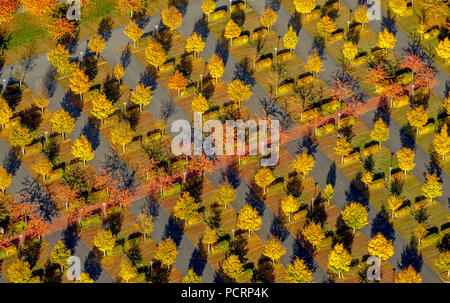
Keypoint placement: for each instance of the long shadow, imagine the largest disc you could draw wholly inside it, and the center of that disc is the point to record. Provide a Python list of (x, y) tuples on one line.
[(11, 163), (273, 5), (240, 73), (389, 24), (331, 175), (201, 28), (47, 207), (222, 52), (405, 137), (278, 229), (380, 224), (197, 262), (92, 134), (92, 266), (172, 230), (71, 238), (114, 164), (231, 174), (69, 106), (411, 257)]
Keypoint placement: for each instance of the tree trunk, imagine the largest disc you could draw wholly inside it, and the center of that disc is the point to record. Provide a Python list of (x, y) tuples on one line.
[(84, 163), (23, 151), (249, 234), (289, 217)]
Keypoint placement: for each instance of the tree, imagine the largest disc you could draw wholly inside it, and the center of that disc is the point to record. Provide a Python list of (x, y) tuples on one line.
[(82, 149), (304, 6), (249, 219), (127, 271), (413, 62), (7, 10), (225, 194), (398, 7), (298, 272), (209, 238), (79, 83), (171, 17), (425, 78), (233, 267), (441, 142), (142, 95), (290, 205), (394, 202), (408, 275), (192, 277), (386, 40), (420, 232), (432, 188), (314, 64), (105, 241), (380, 131), (343, 148), (273, 249), (313, 233), (238, 91), (355, 216), (376, 75), (145, 223), (325, 27), (417, 117), (443, 262), (264, 177), (361, 16), (290, 39), (62, 122), (21, 137), (134, 32), (195, 44), (339, 259), (118, 72), (166, 252), (380, 247), (59, 57), (405, 158), (5, 112), (443, 49), (41, 102), (5, 179), (102, 108), (60, 254), (97, 44), (155, 54), (232, 30), (84, 278), (303, 164), (186, 207), (328, 193), (39, 7), (131, 6), (367, 178), (178, 82), (350, 51), (20, 272), (268, 17), (208, 7), (59, 27), (43, 167), (216, 67), (200, 104), (122, 135)]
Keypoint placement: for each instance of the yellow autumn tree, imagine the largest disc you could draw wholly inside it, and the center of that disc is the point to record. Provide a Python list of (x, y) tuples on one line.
[(5, 112), (417, 117), (380, 132), (82, 149), (84, 278), (420, 232), (155, 54), (122, 135), (200, 104), (328, 193), (314, 64), (290, 39), (355, 216), (394, 202), (432, 188), (225, 194), (209, 238), (195, 44), (178, 82), (119, 72), (145, 223), (441, 142), (127, 271), (192, 277), (62, 122), (43, 168), (186, 208), (96, 44), (232, 30), (405, 158), (443, 262), (367, 178), (290, 205), (313, 233), (268, 17), (21, 137), (304, 6), (102, 108), (166, 252), (142, 95), (134, 32), (264, 177), (303, 164), (79, 82), (361, 16), (343, 148), (380, 247), (443, 49), (20, 272), (398, 7), (350, 51), (5, 179), (208, 7), (238, 91), (386, 40), (325, 27), (216, 67), (171, 17), (339, 260), (249, 219), (105, 241), (408, 275), (298, 272), (233, 267), (41, 101), (273, 249), (59, 57)]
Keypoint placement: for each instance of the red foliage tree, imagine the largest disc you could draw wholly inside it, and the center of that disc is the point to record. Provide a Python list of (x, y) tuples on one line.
[(36, 227), (60, 28), (21, 209), (7, 10), (341, 90), (376, 75), (200, 164), (65, 194), (425, 78), (413, 62), (105, 180), (394, 90)]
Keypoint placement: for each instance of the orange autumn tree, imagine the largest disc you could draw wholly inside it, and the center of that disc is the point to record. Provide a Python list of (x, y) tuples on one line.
[(60, 28), (21, 209), (172, 18), (130, 6), (7, 10), (39, 7), (178, 82), (65, 195)]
